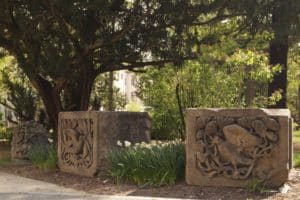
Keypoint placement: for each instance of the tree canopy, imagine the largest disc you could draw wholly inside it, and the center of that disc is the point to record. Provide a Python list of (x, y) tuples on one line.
[(62, 46)]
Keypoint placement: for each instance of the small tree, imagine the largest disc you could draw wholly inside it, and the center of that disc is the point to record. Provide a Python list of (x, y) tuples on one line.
[(220, 78), (16, 92)]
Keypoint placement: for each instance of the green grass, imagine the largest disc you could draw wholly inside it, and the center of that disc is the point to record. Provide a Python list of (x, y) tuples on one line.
[(148, 164), (296, 141), (297, 159), (43, 157), (4, 161), (256, 186), (296, 137)]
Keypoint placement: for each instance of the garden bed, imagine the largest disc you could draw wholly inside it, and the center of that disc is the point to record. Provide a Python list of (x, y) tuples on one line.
[(106, 186), (4, 150)]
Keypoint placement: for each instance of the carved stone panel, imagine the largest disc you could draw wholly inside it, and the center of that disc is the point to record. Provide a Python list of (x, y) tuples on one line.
[(26, 135), (229, 147), (77, 143), (85, 138)]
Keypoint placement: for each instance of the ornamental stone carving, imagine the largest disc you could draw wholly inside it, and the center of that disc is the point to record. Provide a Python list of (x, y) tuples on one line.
[(85, 138), (77, 142), (26, 135), (229, 147)]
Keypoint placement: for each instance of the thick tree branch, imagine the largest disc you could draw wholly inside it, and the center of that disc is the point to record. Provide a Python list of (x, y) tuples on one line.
[(131, 66)]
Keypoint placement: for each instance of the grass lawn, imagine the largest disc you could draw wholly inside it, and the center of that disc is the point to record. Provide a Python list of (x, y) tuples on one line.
[(296, 159), (4, 161), (4, 154), (297, 137), (296, 148)]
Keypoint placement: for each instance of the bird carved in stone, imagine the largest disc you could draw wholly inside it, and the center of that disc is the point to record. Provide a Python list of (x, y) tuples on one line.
[(73, 141), (240, 137)]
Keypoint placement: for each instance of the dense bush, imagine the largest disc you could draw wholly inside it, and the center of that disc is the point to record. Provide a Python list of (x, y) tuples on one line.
[(43, 157), (17, 94), (5, 133), (238, 80), (148, 164)]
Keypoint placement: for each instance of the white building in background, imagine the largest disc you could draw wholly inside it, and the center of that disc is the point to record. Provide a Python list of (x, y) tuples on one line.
[(126, 81)]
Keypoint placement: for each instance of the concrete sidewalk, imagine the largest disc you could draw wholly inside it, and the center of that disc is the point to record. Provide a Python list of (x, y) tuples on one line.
[(14, 187)]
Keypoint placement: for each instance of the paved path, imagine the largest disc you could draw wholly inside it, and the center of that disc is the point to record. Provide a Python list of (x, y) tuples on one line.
[(14, 187)]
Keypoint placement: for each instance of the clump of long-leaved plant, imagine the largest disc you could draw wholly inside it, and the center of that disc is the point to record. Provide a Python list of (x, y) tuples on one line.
[(156, 163)]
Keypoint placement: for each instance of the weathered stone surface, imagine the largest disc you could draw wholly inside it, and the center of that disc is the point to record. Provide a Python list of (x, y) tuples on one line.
[(26, 135), (230, 147), (85, 138)]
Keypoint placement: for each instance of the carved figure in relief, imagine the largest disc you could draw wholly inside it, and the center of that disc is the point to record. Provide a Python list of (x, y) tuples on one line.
[(240, 137), (211, 128), (228, 152), (73, 141), (261, 129), (77, 143), (231, 146), (26, 135)]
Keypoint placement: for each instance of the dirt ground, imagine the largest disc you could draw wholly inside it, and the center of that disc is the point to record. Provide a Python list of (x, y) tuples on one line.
[(105, 186)]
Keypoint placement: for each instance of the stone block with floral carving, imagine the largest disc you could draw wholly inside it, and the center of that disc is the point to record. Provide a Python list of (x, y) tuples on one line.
[(85, 137), (230, 147)]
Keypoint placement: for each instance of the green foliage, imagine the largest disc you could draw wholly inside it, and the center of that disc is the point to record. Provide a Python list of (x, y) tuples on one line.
[(215, 80), (296, 141), (43, 157), (62, 46), (5, 132), (5, 161), (256, 186), (296, 137), (293, 90), (148, 164), (296, 159), (134, 107), (16, 92), (100, 94)]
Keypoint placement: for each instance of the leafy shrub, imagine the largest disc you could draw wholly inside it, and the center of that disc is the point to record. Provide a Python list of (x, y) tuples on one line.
[(134, 107), (43, 158), (148, 164), (219, 78), (5, 133)]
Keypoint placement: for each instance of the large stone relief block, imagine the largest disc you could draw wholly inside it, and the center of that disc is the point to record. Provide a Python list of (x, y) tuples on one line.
[(25, 136), (85, 138), (230, 147)]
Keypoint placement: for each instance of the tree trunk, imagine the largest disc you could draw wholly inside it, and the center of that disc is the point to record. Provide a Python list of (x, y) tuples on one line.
[(179, 104), (250, 89), (51, 100), (278, 53), (79, 95), (298, 105), (111, 91)]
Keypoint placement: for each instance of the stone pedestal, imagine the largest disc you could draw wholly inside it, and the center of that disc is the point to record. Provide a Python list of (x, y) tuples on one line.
[(231, 147), (26, 135), (85, 138)]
